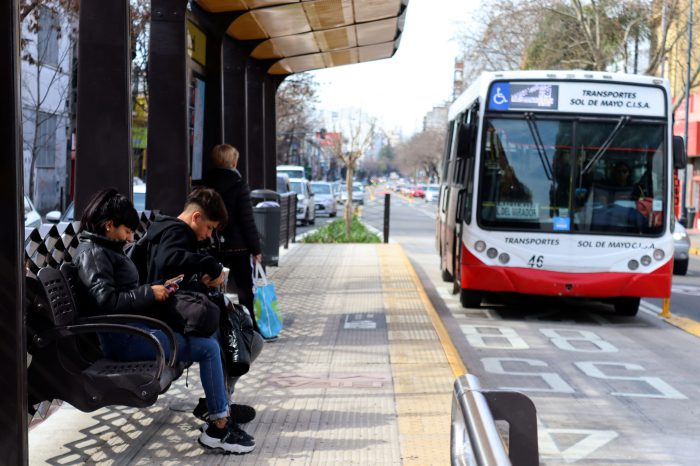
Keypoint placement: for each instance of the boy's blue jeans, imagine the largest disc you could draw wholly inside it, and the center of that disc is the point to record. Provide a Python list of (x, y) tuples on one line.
[(205, 351)]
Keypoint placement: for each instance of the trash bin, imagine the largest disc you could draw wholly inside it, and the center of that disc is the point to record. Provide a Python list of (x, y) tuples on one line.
[(691, 212), (267, 214)]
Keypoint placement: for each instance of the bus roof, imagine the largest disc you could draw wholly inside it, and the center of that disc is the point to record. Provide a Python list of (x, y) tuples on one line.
[(480, 86)]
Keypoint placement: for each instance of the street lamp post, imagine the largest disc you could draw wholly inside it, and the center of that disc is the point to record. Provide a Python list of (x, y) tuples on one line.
[(687, 110)]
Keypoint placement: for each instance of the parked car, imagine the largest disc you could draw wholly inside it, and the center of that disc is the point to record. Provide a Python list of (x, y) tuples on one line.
[(139, 200), (292, 171), (306, 207), (358, 194), (681, 250), (32, 219), (325, 198), (432, 191)]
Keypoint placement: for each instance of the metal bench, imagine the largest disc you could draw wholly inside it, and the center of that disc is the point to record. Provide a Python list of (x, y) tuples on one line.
[(66, 362)]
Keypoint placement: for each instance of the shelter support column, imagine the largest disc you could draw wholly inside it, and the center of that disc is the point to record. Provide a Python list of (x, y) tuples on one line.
[(13, 348), (234, 100), (254, 114), (270, 132), (168, 163), (103, 156)]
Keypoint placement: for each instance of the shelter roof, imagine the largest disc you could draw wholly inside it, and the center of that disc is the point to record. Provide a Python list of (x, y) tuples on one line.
[(304, 35)]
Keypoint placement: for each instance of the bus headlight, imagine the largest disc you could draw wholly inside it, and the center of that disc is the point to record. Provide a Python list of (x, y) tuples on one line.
[(633, 265), (659, 254), (480, 246), (504, 258), (645, 260), (492, 253)]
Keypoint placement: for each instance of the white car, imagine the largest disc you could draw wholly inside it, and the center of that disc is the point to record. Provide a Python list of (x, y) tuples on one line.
[(325, 198), (358, 194), (32, 219), (292, 171), (432, 191), (306, 207)]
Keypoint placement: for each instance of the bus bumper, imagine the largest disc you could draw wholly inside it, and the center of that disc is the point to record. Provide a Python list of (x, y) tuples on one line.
[(477, 276)]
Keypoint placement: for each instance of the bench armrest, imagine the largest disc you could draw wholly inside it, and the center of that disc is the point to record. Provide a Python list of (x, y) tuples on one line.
[(130, 318), (47, 336)]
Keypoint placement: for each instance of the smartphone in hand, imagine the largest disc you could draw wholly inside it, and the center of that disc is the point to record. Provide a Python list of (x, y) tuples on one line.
[(173, 284)]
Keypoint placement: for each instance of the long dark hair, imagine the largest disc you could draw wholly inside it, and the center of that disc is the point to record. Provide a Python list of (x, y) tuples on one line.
[(105, 205)]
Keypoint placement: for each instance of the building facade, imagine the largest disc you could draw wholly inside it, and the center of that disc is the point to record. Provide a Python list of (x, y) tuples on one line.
[(47, 102)]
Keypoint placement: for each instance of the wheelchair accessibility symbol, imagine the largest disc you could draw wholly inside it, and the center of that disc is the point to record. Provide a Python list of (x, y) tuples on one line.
[(500, 96)]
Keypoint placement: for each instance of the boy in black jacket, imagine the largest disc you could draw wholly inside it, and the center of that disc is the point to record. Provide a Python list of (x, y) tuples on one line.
[(173, 244)]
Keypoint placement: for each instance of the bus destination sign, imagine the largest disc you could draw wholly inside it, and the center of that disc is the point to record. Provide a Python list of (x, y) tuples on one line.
[(578, 97)]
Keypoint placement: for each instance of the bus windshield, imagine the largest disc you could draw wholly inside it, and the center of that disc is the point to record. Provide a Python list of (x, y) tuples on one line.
[(566, 175)]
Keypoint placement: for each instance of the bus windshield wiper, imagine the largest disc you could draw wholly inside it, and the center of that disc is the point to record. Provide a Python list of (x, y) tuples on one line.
[(532, 125), (624, 119)]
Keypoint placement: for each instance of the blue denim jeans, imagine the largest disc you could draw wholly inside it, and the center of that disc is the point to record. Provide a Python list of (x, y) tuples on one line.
[(205, 351)]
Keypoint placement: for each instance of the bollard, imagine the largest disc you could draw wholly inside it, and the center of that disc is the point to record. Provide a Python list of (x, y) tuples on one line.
[(666, 308), (387, 208)]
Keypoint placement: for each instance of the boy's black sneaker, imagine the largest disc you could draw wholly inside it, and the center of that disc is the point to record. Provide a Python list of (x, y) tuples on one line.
[(240, 414), (230, 439)]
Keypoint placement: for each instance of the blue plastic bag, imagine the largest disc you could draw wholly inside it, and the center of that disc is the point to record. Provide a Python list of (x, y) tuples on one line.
[(267, 313)]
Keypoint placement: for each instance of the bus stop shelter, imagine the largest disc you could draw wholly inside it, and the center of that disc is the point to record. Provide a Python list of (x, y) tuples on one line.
[(214, 70)]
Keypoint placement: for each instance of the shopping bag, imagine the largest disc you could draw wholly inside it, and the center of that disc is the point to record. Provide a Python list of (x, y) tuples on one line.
[(267, 314)]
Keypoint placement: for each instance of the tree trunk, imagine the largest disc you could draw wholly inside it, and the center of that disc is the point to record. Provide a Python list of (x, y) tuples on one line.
[(348, 202)]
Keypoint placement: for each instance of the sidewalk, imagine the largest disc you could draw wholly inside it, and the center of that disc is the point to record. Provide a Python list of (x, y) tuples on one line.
[(358, 377)]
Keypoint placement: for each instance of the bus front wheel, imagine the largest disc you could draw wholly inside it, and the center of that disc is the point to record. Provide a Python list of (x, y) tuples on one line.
[(627, 306), (469, 298)]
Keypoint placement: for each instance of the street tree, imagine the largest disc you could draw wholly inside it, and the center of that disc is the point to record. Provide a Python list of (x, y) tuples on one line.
[(422, 153), (295, 105), (358, 135), (634, 36)]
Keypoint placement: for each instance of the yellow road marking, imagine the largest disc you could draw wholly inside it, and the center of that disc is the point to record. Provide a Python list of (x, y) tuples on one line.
[(458, 367), (685, 324), (694, 251)]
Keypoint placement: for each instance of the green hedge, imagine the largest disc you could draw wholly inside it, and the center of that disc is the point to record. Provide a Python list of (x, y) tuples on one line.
[(334, 232)]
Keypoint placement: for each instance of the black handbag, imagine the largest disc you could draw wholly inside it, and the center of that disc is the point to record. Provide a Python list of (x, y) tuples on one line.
[(192, 313), (236, 339)]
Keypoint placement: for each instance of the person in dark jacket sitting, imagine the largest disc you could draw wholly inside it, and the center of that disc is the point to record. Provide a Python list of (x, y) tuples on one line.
[(108, 283), (173, 248), (240, 238)]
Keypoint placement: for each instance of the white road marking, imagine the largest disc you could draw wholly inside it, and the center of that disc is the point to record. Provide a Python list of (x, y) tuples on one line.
[(593, 440)]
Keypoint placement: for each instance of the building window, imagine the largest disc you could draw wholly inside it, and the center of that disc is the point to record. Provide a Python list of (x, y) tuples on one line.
[(47, 41), (45, 149)]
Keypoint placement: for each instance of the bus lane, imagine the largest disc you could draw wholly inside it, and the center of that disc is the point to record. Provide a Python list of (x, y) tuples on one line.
[(608, 389)]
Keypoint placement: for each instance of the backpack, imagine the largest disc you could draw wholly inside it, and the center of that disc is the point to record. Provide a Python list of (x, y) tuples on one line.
[(138, 253)]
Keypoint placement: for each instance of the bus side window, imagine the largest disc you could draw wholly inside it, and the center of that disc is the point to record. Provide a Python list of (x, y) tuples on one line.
[(466, 157)]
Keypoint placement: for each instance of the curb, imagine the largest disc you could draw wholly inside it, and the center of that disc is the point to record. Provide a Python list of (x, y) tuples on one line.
[(694, 251)]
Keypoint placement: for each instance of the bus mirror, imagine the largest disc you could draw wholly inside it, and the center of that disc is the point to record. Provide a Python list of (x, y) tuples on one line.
[(680, 158)]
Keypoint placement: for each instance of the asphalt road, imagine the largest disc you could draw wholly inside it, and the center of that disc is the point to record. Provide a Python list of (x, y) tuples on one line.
[(608, 389)]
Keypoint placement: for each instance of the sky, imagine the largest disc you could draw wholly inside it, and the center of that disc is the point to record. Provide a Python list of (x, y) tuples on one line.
[(399, 91)]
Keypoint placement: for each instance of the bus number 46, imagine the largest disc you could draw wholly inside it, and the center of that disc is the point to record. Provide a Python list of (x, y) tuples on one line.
[(536, 261)]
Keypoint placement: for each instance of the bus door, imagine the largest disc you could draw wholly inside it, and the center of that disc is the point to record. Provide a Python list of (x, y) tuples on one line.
[(441, 219), (461, 188)]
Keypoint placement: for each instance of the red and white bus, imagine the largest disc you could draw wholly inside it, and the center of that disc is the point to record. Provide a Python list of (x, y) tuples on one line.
[(560, 183)]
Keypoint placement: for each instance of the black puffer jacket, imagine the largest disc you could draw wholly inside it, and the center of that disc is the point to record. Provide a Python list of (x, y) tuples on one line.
[(240, 235), (172, 250), (109, 281)]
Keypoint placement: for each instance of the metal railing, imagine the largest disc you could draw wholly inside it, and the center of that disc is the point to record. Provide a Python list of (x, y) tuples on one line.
[(475, 440)]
